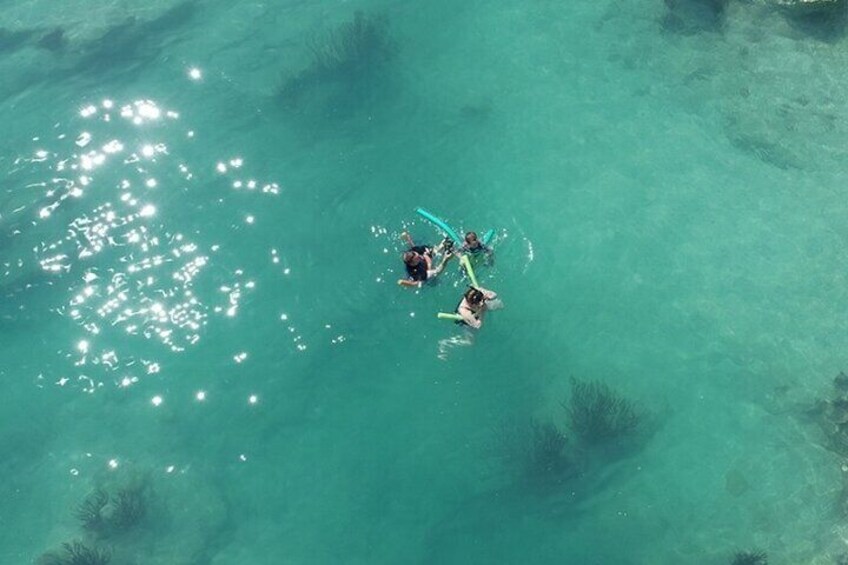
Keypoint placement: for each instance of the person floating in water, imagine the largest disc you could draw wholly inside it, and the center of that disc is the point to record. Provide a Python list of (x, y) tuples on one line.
[(418, 261), (475, 302), (475, 248), (474, 305)]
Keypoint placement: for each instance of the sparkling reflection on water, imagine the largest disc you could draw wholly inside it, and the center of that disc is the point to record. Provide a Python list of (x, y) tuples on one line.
[(105, 221)]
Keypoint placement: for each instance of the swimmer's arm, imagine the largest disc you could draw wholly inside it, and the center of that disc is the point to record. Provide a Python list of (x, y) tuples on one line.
[(489, 294), (409, 283), (445, 258), (407, 238), (469, 318)]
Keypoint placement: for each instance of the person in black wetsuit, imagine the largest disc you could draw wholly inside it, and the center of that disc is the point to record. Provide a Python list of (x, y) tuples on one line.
[(474, 247), (419, 262)]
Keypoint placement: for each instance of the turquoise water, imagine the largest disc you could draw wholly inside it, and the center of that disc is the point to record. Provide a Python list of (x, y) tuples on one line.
[(198, 280)]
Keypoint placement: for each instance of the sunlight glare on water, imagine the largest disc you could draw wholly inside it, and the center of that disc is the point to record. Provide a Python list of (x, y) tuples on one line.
[(138, 276)]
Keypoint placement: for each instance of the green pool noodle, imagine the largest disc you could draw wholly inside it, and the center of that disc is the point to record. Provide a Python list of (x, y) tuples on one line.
[(446, 316), (465, 262)]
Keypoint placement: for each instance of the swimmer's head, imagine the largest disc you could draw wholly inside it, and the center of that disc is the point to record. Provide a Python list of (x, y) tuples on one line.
[(411, 258), (471, 239), (474, 296)]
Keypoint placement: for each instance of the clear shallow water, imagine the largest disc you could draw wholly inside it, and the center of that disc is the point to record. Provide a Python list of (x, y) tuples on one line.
[(212, 310)]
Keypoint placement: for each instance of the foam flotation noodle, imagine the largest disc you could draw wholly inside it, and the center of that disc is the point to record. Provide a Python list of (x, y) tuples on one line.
[(440, 224), (465, 262), (451, 317)]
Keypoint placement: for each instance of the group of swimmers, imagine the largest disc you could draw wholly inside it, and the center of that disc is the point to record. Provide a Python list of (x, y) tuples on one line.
[(420, 260)]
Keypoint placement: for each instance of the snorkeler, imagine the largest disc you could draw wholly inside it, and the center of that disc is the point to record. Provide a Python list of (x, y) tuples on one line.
[(419, 261), (474, 247), (474, 304)]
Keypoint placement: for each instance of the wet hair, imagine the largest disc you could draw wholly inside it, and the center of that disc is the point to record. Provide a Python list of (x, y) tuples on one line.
[(470, 236), (474, 296)]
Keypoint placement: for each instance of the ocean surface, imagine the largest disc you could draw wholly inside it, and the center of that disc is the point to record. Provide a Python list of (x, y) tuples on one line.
[(200, 211)]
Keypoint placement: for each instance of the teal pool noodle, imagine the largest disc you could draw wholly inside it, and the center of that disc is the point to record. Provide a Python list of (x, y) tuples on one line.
[(488, 236), (440, 224)]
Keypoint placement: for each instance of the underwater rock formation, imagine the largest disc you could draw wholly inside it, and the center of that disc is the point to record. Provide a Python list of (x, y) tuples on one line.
[(12, 40), (354, 48), (693, 16), (181, 522), (599, 416), (76, 553), (824, 20), (54, 40), (133, 43), (536, 454), (546, 456), (345, 63), (599, 426), (809, 7), (749, 558), (129, 507), (831, 414), (90, 510), (112, 511), (125, 521)]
